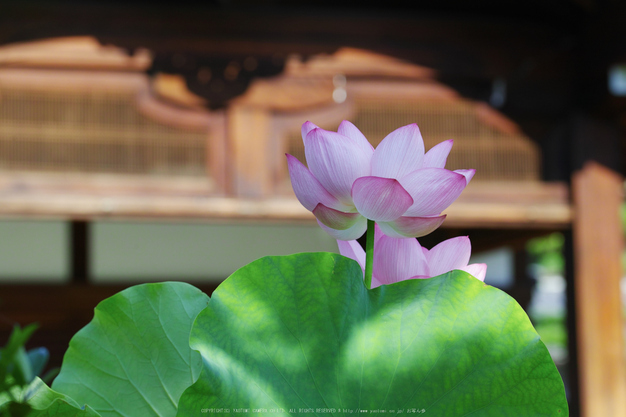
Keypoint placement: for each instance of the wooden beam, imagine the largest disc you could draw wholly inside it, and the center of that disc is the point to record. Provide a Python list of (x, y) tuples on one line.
[(598, 246), (506, 205)]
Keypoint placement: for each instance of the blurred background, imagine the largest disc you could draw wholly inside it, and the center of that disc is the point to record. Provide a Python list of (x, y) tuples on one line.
[(144, 141)]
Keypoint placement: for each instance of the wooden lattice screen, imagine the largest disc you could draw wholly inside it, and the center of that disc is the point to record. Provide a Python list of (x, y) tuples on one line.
[(92, 131)]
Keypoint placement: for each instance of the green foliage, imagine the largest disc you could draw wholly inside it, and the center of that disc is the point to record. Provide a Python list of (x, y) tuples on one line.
[(134, 359), (548, 252), (18, 369), (14, 363), (288, 334), (302, 333), (552, 330), (45, 402)]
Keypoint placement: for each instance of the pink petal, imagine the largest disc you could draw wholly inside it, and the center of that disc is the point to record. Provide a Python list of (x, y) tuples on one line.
[(335, 219), (448, 255), (467, 173), (397, 259), (377, 233), (400, 153), (437, 155), (306, 128), (380, 199), (375, 282), (352, 233), (336, 161), (432, 189), (348, 129), (420, 277), (411, 226), (308, 189), (477, 270), (351, 249)]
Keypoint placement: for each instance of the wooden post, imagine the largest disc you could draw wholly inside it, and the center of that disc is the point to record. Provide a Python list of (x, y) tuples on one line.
[(598, 244), (248, 134), (217, 159), (79, 251)]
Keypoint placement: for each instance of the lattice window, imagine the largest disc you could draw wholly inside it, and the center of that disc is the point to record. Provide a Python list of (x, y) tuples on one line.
[(92, 131)]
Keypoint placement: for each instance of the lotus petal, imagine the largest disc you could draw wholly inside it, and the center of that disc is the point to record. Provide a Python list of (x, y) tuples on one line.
[(448, 255), (306, 128), (380, 199), (353, 250), (308, 189), (432, 189), (420, 277), (352, 233), (377, 233), (335, 219), (437, 156), (478, 271), (348, 129), (400, 153), (336, 161), (375, 282), (467, 173), (411, 226), (398, 259)]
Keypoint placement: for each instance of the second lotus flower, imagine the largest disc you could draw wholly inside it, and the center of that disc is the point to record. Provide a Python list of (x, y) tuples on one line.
[(401, 188), (397, 260)]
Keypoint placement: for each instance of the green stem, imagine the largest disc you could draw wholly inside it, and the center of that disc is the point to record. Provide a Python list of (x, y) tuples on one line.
[(369, 253)]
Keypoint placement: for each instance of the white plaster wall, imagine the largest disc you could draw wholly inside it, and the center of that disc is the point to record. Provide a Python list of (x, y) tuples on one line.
[(124, 252), (34, 251), (132, 252)]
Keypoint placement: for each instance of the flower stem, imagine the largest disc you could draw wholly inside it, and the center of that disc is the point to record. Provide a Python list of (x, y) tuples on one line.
[(369, 253)]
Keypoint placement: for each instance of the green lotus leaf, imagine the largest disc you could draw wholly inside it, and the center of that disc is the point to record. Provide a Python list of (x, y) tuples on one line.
[(45, 402), (134, 359), (301, 334)]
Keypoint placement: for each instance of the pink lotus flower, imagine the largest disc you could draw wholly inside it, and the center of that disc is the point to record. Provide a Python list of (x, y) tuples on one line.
[(397, 260), (397, 185)]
